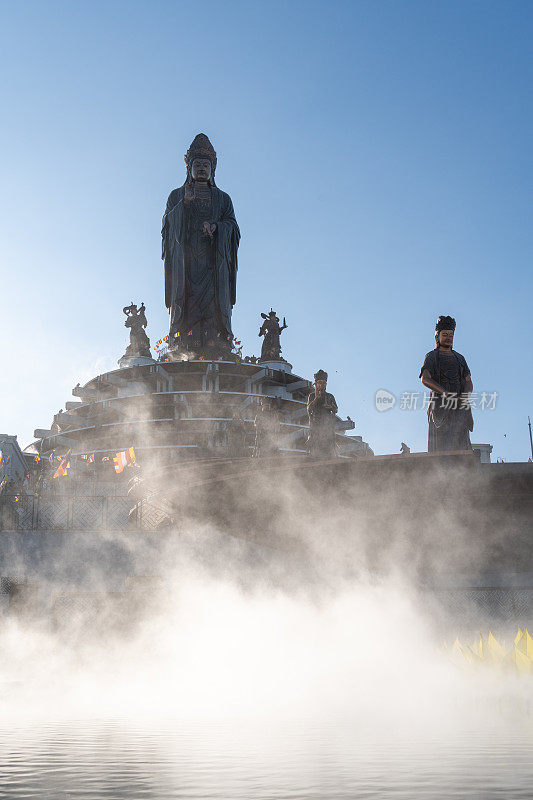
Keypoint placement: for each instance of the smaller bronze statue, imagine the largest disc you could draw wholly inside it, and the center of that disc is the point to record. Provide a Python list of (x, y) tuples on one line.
[(447, 374), (236, 437), (136, 321), (321, 408), (271, 330), (266, 430)]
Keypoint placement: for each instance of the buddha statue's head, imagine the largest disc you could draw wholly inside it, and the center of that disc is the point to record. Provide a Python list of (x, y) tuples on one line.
[(201, 160), (201, 169), (321, 380), (444, 331)]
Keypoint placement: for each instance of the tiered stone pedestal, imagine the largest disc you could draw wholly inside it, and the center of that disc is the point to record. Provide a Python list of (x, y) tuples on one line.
[(180, 410)]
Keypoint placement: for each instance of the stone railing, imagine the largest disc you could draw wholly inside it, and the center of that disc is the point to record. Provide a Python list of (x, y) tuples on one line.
[(65, 513)]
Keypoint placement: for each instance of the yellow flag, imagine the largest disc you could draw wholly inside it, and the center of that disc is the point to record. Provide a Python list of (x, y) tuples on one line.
[(461, 654), (494, 649), (525, 644), (477, 647), (520, 660)]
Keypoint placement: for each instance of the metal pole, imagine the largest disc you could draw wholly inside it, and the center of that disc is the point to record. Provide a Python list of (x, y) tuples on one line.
[(530, 437)]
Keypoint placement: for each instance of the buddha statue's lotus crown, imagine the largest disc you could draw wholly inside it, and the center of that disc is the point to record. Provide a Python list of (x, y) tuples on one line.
[(201, 147)]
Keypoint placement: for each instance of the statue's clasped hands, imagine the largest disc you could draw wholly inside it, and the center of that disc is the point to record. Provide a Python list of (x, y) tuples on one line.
[(209, 229)]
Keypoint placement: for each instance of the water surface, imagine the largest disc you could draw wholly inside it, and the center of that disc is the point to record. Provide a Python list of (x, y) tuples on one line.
[(104, 760)]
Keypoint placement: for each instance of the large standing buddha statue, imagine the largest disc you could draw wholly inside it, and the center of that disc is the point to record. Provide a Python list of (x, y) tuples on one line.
[(200, 242)]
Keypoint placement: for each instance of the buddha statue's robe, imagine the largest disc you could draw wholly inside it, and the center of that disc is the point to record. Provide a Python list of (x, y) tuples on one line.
[(200, 272)]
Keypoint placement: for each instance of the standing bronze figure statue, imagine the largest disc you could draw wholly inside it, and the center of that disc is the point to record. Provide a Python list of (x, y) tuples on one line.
[(266, 430), (271, 330), (236, 437), (321, 408), (200, 242), (136, 321), (446, 373)]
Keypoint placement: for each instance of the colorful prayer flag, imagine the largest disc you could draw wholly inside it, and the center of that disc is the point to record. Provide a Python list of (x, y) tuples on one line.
[(64, 467), (124, 459)]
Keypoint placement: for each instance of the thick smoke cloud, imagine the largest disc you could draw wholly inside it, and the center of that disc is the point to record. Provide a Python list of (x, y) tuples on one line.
[(280, 590)]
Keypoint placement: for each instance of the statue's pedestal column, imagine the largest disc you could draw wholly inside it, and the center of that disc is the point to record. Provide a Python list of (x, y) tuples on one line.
[(135, 361), (284, 366)]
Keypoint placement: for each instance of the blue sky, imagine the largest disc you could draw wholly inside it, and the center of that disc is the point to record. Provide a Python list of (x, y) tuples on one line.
[(378, 155)]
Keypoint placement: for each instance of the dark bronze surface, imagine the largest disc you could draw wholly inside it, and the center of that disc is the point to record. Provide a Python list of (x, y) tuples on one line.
[(200, 243), (136, 321), (271, 330)]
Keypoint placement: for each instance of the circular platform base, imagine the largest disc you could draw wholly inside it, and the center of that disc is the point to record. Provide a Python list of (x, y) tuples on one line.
[(284, 366), (134, 361)]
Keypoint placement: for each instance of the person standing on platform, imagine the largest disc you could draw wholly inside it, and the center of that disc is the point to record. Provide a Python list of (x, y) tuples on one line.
[(446, 373), (321, 408)]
